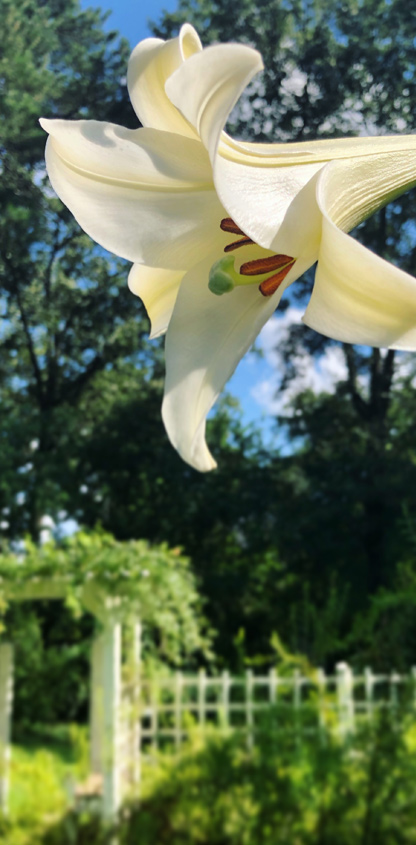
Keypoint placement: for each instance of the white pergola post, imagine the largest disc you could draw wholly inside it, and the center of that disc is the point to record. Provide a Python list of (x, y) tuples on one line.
[(105, 714), (97, 706), (6, 697), (136, 732), (111, 667)]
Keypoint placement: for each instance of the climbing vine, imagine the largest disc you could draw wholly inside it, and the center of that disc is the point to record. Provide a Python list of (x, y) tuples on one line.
[(129, 579)]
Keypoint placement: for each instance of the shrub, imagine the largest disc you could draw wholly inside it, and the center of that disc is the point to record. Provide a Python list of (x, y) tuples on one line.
[(309, 791), (286, 790)]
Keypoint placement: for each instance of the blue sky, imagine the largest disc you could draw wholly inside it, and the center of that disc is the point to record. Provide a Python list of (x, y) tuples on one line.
[(130, 16)]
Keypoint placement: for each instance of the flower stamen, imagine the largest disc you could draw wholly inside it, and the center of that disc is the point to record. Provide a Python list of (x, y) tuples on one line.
[(265, 265), (235, 244), (224, 277), (228, 225), (270, 285)]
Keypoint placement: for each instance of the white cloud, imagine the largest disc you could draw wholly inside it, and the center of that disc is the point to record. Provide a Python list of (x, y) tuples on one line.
[(404, 369), (25, 468), (319, 374), (294, 83), (46, 521), (67, 527)]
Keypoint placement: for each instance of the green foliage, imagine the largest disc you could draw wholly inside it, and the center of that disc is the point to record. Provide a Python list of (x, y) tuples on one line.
[(43, 765), (309, 793), (52, 651), (309, 790), (349, 487), (153, 583), (384, 635)]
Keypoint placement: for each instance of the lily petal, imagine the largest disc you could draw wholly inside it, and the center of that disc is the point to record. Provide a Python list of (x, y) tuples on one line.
[(204, 89), (158, 288), (349, 191), (256, 183), (301, 231), (150, 65), (359, 297), (206, 338), (207, 86), (143, 194)]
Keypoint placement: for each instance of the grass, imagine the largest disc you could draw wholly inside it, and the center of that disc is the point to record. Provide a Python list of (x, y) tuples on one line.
[(44, 764)]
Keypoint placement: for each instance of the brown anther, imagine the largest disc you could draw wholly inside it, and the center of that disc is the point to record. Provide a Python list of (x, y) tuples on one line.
[(265, 265), (270, 285), (228, 225), (235, 244)]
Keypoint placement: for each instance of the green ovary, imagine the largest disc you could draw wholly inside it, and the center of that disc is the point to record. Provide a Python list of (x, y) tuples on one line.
[(223, 276)]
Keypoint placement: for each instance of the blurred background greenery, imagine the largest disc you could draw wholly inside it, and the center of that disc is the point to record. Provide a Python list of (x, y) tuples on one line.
[(316, 540)]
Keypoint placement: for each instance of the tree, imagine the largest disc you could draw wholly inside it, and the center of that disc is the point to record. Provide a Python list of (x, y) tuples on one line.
[(66, 310), (298, 543)]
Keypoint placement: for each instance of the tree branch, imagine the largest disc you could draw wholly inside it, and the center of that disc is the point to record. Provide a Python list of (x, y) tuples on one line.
[(72, 390), (31, 349), (359, 403)]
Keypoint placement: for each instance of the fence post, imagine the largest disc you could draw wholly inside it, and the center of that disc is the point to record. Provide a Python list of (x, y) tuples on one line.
[(178, 709), (6, 699), (272, 685), (369, 688), (394, 680), (226, 698), (249, 708), (297, 703), (111, 714), (413, 676), (321, 682), (345, 691), (202, 686)]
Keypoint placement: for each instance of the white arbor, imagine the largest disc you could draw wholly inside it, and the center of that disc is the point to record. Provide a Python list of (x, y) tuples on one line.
[(114, 723)]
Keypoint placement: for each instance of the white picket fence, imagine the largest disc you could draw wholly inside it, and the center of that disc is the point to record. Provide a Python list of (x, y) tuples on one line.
[(171, 706)]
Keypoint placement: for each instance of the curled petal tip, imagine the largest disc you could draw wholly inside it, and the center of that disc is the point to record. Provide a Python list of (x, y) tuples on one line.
[(191, 446), (189, 40), (206, 465)]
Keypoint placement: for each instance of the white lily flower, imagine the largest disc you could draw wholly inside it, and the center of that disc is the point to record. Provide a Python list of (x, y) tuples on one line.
[(200, 214)]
